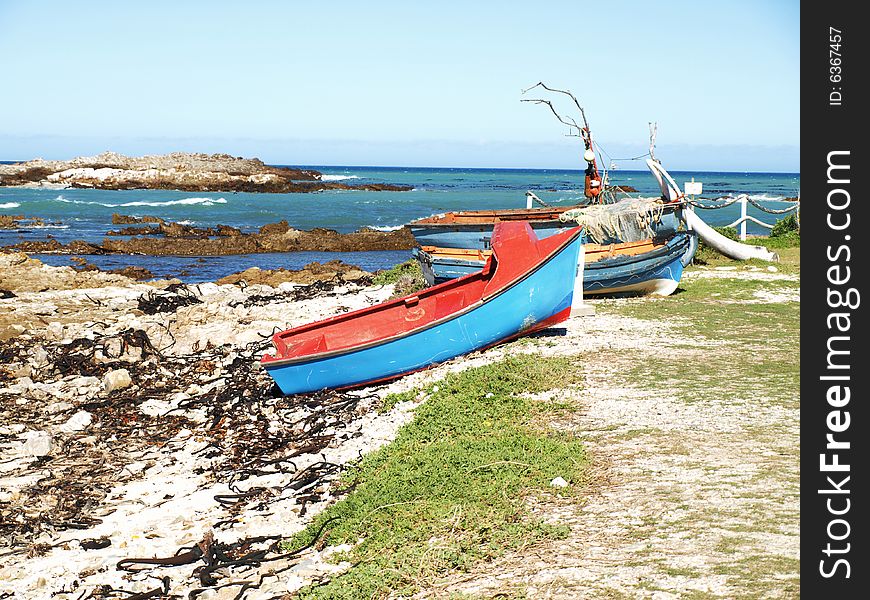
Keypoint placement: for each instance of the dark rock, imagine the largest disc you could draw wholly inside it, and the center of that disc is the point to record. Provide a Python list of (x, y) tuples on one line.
[(95, 543), (228, 231), (10, 221), (310, 273), (127, 220), (136, 230), (137, 273), (275, 228)]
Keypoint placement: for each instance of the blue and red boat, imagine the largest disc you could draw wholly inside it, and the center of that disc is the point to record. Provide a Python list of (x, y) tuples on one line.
[(526, 284)]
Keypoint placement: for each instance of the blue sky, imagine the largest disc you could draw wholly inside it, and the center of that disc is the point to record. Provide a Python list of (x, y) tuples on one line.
[(402, 83)]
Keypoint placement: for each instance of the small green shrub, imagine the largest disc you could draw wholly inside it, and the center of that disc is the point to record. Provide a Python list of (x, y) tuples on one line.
[(785, 226), (407, 276), (387, 276)]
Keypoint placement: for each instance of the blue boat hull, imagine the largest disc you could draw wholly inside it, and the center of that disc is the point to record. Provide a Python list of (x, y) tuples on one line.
[(656, 272), (477, 236), (542, 296)]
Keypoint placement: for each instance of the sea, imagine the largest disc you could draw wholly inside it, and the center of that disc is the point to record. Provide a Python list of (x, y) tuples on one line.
[(84, 214)]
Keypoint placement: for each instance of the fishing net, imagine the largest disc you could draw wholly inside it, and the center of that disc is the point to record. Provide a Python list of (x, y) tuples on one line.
[(629, 220)]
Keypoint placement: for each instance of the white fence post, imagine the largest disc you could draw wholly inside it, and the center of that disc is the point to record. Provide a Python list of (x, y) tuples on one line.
[(743, 202)]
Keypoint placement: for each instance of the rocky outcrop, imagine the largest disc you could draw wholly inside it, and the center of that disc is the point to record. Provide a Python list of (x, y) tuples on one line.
[(308, 274), (16, 221), (175, 171), (52, 246), (128, 220), (177, 230), (133, 272), (167, 238), (19, 273), (288, 240)]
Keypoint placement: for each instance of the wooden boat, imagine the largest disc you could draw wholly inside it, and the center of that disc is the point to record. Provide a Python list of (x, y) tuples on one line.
[(473, 229), (652, 266), (525, 284)]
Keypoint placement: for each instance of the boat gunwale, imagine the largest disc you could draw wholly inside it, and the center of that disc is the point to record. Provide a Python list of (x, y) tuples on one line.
[(671, 244), (491, 216), (277, 362)]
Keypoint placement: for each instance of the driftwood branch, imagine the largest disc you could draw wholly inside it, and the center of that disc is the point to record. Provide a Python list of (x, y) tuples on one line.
[(566, 120), (567, 93)]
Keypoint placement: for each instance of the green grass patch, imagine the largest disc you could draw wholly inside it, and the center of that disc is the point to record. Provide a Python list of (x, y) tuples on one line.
[(763, 576), (449, 490), (791, 239), (755, 346)]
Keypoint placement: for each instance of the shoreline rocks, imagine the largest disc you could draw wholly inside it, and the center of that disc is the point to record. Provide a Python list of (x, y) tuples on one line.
[(292, 240), (16, 221), (310, 273), (189, 172), (165, 238)]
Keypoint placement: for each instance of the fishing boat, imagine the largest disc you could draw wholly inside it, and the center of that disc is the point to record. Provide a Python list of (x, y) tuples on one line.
[(473, 229), (652, 266), (524, 285)]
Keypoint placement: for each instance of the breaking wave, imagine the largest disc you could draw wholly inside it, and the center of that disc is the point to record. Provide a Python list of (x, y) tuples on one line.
[(203, 201), (9, 205), (756, 197), (385, 227), (337, 177), (186, 201)]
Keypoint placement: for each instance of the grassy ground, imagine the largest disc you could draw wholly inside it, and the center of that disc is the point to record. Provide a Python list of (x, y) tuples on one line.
[(448, 492)]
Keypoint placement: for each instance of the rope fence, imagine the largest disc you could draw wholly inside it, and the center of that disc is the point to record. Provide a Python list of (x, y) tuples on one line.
[(744, 201)]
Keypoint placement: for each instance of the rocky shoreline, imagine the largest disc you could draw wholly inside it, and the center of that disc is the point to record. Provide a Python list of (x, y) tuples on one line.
[(165, 238), (175, 171), (134, 419)]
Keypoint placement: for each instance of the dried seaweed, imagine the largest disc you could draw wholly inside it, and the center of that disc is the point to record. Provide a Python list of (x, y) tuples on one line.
[(250, 430), (302, 292), (175, 296)]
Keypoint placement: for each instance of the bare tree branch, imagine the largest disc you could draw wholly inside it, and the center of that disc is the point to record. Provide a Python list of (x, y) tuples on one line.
[(567, 93), (566, 120)]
